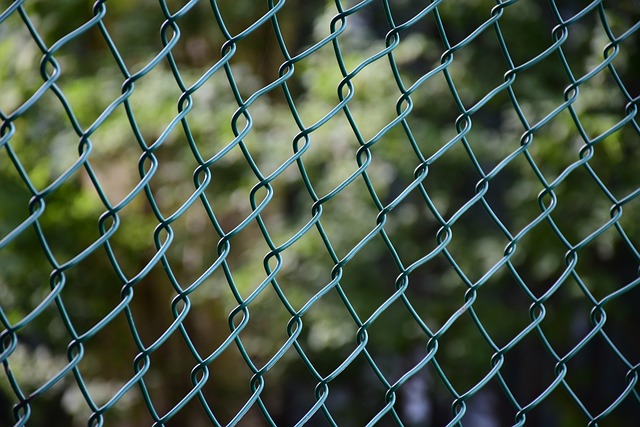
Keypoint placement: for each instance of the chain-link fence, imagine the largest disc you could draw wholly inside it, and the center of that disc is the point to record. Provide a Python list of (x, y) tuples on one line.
[(322, 213)]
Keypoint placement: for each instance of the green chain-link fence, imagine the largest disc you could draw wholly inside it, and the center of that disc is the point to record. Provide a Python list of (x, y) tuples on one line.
[(323, 213)]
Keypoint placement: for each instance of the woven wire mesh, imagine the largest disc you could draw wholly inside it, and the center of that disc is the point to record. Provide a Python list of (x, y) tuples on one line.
[(414, 213)]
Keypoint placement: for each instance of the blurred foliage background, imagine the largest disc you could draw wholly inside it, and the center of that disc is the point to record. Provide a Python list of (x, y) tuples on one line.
[(563, 259)]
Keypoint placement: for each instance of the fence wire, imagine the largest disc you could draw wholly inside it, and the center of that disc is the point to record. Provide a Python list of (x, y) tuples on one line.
[(414, 213)]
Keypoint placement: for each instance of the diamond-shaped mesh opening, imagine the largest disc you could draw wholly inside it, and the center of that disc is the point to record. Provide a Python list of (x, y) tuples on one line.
[(579, 38), (487, 406), (108, 388), (442, 180), (227, 387), (336, 217), (489, 145), (153, 106), (21, 79), (261, 347), (13, 210), (597, 94), (579, 325), (488, 243), (152, 319), (167, 391), (87, 107), (132, 221), (108, 340), (600, 268), (77, 192), (612, 376), (529, 370), (356, 385), (97, 303), (246, 265), (410, 216), (495, 301), (620, 181), (309, 256), (364, 89), (542, 249), (30, 345), (526, 29), (469, 88), (593, 206), (618, 414), (112, 138), (433, 281), (394, 158), (336, 141), (328, 330), (209, 119), (614, 326), (301, 31), (457, 25), (537, 104), (189, 267), (559, 406), (627, 85), (35, 285), (195, 50), (311, 213), (278, 393), (463, 372), (38, 160)]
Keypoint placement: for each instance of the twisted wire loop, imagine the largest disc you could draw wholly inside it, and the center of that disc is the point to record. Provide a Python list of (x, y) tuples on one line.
[(422, 213)]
